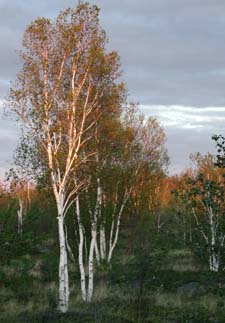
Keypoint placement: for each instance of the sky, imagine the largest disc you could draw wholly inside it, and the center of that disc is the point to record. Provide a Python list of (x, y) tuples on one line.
[(173, 61)]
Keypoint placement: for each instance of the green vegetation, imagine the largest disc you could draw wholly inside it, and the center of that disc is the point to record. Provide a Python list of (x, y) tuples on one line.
[(153, 278)]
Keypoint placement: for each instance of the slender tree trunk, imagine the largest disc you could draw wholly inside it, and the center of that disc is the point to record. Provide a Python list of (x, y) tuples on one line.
[(81, 264), (97, 254), (63, 269), (214, 257), (159, 222), (87, 287), (102, 242), (20, 217), (91, 265), (97, 215), (80, 252), (213, 262), (70, 252), (111, 237), (113, 241)]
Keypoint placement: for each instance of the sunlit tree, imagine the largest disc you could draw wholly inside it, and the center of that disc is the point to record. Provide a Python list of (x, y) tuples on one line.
[(59, 96)]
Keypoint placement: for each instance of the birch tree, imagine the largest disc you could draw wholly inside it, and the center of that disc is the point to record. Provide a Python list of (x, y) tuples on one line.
[(20, 188), (204, 199), (88, 204), (134, 147), (59, 95), (86, 253), (144, 154)]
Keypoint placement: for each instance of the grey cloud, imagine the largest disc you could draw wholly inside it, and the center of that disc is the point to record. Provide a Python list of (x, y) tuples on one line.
[(183, 142), (172, 53), (7, 145), (182, 117), (177, 43), (188, 130), (14, 17), (175, 46)]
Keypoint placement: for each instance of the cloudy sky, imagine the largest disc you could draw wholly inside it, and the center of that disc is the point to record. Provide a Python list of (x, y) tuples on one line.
[(173, 60)]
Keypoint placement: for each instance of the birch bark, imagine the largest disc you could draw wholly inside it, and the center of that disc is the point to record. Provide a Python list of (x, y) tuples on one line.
[(80, 251), (63, 269), (214, 257), (20, 216), (86, 278), (91, 265)]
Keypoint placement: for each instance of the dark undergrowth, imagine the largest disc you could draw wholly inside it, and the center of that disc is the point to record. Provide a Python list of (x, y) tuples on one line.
[(154, 278)]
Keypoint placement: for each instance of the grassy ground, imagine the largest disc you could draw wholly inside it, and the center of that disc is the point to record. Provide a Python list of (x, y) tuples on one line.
[(153, 278)]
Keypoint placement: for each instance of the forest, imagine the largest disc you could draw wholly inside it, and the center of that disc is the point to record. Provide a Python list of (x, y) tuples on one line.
[(93, 228)]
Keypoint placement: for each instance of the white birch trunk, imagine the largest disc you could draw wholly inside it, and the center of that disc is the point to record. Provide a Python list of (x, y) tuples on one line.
[(81, 265), (97, 254), (112, 247), (102, 242), (91, 265), (214, 257), (159, 222), (63, 269), (87, 287), (111, 238), (70, 252), (213, 262), (113, 242), (20, 217), (80, 252), (95, 215)]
